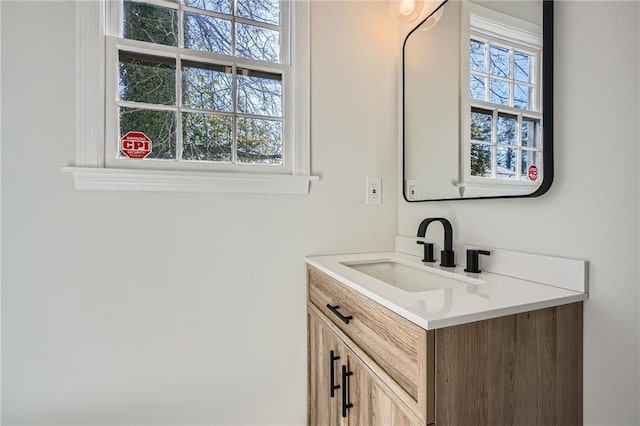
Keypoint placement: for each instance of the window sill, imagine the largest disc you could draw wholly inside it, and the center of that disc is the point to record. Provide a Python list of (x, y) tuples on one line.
[(516, 188), (104, 179)]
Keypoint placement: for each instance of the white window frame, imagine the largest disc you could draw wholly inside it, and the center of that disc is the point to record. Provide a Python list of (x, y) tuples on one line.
[(92, 171), (497, 28)]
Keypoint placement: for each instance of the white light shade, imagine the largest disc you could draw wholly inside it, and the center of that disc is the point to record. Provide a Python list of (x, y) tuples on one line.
[(407, 6)]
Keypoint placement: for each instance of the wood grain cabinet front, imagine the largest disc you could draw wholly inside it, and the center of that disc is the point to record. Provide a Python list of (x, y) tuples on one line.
[(326, 355), (394, 343), (369, 366), (359, 397)]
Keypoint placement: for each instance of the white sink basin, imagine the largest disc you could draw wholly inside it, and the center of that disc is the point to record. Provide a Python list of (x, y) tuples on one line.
[(410, 278)]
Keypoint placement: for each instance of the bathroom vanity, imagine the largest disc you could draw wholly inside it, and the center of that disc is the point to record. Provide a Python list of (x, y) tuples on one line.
[(393, 341)]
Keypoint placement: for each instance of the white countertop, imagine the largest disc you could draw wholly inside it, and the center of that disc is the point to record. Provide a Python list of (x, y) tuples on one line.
[(481, 296)]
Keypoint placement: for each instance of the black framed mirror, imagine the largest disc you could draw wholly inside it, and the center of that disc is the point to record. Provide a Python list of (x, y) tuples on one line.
[(478, 101)]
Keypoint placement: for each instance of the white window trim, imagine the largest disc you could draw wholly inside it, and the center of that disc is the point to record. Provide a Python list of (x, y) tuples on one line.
[(90, 171), (495, 189)]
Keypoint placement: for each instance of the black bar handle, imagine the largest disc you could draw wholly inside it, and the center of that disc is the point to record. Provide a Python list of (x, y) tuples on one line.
[(333, 385), (473, 261), (334, 309), (345, 390)]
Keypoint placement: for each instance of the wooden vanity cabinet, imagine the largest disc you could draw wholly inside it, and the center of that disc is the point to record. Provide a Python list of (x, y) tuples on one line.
[(523, 369), (360, 397), (326, 355)]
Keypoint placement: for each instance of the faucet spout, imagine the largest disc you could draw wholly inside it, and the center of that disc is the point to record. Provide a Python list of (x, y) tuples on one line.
[(448, 230), (446, 255)]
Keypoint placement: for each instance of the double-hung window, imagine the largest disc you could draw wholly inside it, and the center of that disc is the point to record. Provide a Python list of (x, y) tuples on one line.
[(201, 90), (502, 109)]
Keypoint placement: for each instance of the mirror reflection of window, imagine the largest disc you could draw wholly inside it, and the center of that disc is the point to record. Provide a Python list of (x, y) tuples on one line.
[(504, 105), (474, 91)]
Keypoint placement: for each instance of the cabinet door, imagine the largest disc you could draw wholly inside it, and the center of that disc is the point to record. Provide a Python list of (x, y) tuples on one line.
[(326, 356), (373, 403)]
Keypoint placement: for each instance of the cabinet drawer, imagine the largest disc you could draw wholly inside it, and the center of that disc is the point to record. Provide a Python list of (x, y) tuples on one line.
[(397, 345)]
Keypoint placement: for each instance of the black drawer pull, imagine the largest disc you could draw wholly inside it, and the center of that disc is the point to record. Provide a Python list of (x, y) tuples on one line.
[(333, 385), (345, 390), (334, 309)]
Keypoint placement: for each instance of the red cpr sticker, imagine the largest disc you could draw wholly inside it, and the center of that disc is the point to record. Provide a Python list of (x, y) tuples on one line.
[(136, 145), (533, 173)]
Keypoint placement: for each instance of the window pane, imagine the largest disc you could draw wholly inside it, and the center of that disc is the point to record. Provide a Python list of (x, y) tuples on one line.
[(522, 97), (206, 137), (147, 22), (507, 129), (260, 10), (207, 33), (522, 67), (159, 126), (259, 141), (480, 160), (206, 86), (499, 61), (477, 85), (481, 125), (220, 6), (506, 163), (147, 79), (531, 166), (257, 43), (477, 56), (530, 129), (499, 92), (259, 93)]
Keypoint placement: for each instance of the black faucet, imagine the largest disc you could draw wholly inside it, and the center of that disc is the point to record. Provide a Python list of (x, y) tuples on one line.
[(472, 260), (446, 255)]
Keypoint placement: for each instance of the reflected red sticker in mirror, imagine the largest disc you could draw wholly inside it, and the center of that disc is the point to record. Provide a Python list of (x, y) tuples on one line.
[(533, 173)]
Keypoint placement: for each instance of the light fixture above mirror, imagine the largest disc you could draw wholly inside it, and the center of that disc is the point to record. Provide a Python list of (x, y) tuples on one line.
[(407, 7), (413, 11)]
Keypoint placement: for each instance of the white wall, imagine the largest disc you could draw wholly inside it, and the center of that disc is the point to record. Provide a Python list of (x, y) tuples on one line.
[(592, 208), (210, 329), (175, 308), (0, 220)]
